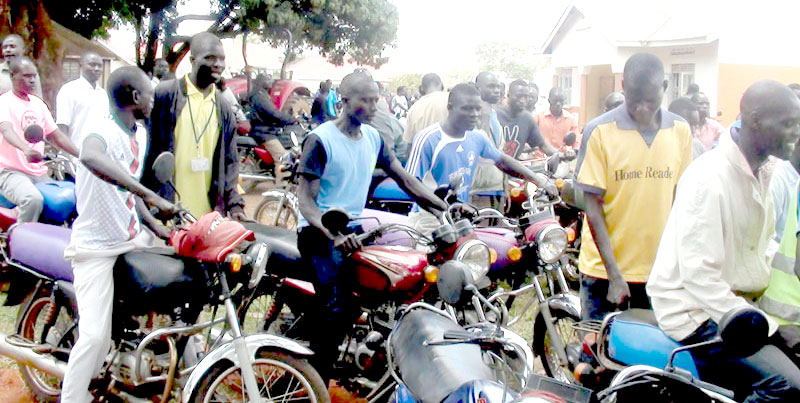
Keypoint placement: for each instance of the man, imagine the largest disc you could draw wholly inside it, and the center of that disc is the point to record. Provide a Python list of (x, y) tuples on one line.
[(160, 70), (795, 87), (709, 130), (429, 109), (685, 108), (399, 104), (265, 117), (452, 147), (531, 106), (189, 120), (319, 108), (555, 122), (519, 126), (628, 167), (488, 187), (81, 101), (13, 47), (343, 151), (108, 224), (612, 101), (392, 132), (692, 89), (21, 162), (712, 256)]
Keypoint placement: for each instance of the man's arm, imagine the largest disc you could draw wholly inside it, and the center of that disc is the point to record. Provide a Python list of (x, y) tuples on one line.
[(411, 185), (12, 138), (618, 289), (151, 222), (265, 110), (60, 140), (511, 166), (234, 203), (94, 157)]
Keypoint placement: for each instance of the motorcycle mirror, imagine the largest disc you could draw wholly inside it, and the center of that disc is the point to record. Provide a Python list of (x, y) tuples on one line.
[(336, 220), (570, 138), (164, 167), (454, 277), (743, 331), (34, 134), (293, 136)]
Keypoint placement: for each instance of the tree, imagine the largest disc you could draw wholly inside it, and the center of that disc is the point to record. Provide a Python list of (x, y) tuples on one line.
[(517, 61), (410, 81)]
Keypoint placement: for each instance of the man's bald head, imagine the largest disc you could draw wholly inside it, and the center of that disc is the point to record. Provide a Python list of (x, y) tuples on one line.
[(431, 82), (359, 96), (644, 85), (770, 118), (355, 83), (23, 75), (91, 66), (643, 68), (18, 64), (202, 41), (613, 100), (86, 56), (208, 60), (489, 87), (122, 84)]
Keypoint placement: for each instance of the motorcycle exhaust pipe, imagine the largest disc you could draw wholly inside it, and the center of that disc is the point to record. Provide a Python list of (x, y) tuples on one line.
[(257, 177), (27, 356)]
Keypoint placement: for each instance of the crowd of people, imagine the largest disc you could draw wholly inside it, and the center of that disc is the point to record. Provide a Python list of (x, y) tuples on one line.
[(682, 215)]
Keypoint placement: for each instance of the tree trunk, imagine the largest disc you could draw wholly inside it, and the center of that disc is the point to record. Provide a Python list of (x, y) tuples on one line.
[(156, 23)]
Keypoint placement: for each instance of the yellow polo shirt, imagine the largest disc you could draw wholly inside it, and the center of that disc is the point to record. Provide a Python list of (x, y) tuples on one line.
[(636, 175), (196, 134)]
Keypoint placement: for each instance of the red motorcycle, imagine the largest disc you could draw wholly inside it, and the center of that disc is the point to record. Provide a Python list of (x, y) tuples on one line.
[(387, 277)]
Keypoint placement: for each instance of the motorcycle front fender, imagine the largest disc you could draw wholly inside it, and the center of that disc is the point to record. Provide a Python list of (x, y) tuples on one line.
[(227, 353), (569, 303)]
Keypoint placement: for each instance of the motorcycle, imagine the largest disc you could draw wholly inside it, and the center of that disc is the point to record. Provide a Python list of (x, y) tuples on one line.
[(434, 359), (279, 206), (386, 278), (158, 353), (257, 165)]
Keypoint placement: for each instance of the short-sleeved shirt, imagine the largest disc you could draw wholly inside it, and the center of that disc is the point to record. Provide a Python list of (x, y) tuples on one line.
[(436, 157), (78, 105), (708, 133), (196, 134), (555, 128), (518, 131), (343, 166), (107, 213), (21, 113), (636, 174), (426, 111)]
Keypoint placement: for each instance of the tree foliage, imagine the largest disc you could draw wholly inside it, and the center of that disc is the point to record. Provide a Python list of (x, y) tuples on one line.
[(410, 81), (517, 61)]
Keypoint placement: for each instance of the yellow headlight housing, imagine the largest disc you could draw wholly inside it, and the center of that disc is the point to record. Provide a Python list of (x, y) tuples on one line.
[(514, 254), (236, 262), (431, 274)]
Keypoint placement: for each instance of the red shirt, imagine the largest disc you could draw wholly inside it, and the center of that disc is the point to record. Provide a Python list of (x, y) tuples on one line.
[(555, 128)]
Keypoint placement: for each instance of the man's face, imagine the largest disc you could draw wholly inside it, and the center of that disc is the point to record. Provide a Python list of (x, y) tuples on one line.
[(161, 68), (780, 130), (489, 88), (24, 79), (519, 97), (12, 48), (644, 100), (702, 104), (556, 103), (465, 110), (209, 63), (145, 104), (362, 104), (693, 118), (92, 68)]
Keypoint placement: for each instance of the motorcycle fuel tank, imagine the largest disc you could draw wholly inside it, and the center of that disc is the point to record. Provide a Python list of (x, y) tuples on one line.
[(389, 268)]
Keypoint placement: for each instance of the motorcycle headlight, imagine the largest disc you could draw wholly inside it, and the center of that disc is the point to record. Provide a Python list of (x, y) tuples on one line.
[(257, 254), (475, 254), (552, 241)]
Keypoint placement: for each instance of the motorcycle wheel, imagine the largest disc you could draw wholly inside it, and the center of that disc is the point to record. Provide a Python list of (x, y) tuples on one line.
[(45, 322), (276, 210), (280, 376), (542, 345), (259, 312), (248, 165)]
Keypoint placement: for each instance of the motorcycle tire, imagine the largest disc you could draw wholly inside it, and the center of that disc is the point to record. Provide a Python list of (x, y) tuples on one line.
[(45, 322), (276, 210), (542, 347), (259, 312), (224, 384)]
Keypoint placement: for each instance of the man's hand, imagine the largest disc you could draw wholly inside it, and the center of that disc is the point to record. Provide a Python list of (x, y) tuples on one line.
[(166, 208), (568, 155), (348, 243), (240, 216), (33, 156), (162, 231), (618, 291), (551, 189)]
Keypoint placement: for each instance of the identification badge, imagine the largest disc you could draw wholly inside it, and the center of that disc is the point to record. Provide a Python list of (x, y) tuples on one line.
[(200, 165)]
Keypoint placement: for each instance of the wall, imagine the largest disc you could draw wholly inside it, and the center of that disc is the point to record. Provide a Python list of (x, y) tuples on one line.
[(735, 78), (595, 90)]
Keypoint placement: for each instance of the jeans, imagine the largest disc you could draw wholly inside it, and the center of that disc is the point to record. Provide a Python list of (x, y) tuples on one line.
[(594, 304), (766, 376), (333, 284), (18, 188)]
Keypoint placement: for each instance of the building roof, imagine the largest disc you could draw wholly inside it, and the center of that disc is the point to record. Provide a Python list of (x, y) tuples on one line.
[(639, 23), (75, 45)]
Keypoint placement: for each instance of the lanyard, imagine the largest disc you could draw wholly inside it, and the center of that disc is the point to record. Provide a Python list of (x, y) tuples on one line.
[(194, 127)]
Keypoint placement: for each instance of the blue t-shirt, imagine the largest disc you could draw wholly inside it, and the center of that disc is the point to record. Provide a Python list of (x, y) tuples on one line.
[(437, 157), (344, 166)]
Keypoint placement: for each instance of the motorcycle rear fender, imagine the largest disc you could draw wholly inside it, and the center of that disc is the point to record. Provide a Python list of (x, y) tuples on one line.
[(291, 197), (226, 354)]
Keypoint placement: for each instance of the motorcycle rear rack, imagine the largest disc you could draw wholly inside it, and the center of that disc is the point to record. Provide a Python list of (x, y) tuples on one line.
[(591, 325)]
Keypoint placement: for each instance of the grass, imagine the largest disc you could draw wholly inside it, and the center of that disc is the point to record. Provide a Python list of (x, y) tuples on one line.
[(8, 317)]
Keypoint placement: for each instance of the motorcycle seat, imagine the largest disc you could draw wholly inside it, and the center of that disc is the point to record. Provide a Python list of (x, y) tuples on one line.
[(390, 190), (41, 248), (59, 201), (282, 243), (634, 338), (245, 141), (145, 272), (431, 373)]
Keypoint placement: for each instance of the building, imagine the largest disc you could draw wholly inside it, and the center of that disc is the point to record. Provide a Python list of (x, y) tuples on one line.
[(74, 45), (723, 47)]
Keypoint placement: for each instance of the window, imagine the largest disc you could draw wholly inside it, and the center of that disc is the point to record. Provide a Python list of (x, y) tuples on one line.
[(682, 76), (564, 81), (70, 69)]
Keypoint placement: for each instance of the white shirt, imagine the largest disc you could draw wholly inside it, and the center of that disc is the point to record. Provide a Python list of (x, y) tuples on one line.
[(106, 213), (783, 187), (399, 104), (78, 104), (713, 249)]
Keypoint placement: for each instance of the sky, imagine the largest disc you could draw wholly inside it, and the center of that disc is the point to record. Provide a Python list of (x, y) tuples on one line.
[(433, 35)]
